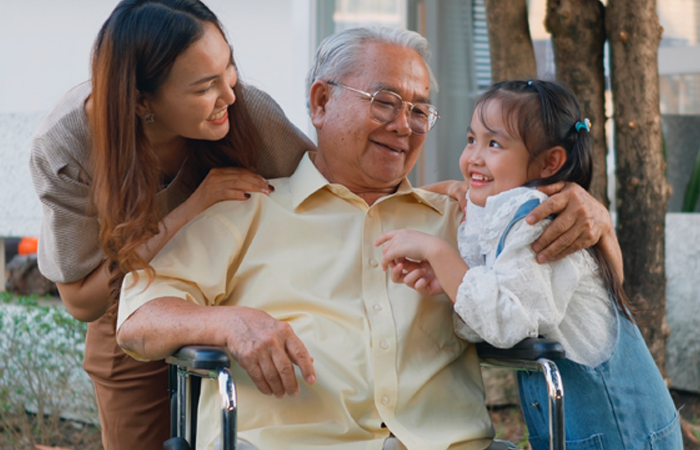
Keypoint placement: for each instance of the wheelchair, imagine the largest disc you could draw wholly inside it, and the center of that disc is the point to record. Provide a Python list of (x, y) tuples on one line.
[(192, 363)]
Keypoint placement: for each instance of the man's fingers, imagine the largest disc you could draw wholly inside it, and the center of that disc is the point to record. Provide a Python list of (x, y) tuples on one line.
[(551, 189), (561, 247), (553, 232), (300, 356), (550, 206), (412, 277), (256, 374), (272, 375), (397, 273), (285, 369)]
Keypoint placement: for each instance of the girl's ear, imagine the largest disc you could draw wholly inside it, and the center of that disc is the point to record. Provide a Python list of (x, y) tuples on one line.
[(319, 94), (551, 161)]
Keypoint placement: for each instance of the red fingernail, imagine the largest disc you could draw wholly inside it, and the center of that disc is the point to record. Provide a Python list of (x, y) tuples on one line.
[(270, 187), (246, 195)]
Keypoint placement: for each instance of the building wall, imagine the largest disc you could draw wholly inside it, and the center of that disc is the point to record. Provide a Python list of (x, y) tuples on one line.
[(45, 48)]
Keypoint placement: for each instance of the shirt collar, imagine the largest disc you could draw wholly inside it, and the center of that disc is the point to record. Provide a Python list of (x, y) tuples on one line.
[(307, 180)]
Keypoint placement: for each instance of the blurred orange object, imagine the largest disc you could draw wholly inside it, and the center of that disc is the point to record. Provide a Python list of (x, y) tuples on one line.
[(27, 246)]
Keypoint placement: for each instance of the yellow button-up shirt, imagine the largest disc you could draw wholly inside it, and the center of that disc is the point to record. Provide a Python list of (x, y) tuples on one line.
[(386, 359)]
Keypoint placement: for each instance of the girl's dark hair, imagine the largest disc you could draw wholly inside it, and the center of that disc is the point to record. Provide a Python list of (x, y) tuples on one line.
[(134, 53), (543, 115)]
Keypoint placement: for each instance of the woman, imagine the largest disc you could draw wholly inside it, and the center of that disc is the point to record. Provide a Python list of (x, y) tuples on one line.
[(120, 165)]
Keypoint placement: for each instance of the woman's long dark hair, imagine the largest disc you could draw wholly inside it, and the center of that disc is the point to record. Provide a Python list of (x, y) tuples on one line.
[(134, 53), (543, 115)]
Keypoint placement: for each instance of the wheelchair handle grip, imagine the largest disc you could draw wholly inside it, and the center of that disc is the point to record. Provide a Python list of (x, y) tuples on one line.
[(529, 349), (200, 357)]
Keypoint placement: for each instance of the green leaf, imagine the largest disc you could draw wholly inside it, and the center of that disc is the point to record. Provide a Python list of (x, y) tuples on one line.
[(692, 189)]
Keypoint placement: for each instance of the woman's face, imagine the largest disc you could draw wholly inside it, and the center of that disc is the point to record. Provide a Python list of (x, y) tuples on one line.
[(193, 101)]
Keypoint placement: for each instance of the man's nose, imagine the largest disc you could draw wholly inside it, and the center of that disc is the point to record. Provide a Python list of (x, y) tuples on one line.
[(402, 121)]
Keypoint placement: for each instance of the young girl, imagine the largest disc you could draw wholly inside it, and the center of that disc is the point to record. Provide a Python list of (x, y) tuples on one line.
[(525, 134)]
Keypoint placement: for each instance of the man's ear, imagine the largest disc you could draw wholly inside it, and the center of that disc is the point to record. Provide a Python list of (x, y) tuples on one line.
[(319, 94), (551, 161)]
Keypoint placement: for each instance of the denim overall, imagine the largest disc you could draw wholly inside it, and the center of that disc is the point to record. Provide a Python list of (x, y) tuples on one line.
[(622, 404)]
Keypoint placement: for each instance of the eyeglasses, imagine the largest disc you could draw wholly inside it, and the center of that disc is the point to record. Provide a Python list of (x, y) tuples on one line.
[(385, 106)]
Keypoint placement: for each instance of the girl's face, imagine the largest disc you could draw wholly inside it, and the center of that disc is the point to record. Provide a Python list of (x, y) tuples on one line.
[(493, 160), (193, 101)]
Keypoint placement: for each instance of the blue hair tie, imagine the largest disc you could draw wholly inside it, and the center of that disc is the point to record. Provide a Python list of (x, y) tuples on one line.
[(586, 124)]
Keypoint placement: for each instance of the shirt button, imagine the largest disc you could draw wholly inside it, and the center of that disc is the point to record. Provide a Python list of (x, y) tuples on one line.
[(378, 307), (385, 400), (370, 213), (373, 262), (384, 345)]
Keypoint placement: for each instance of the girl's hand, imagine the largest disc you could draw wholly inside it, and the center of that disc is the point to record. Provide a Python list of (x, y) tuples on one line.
[(419, 276), (401, 244)]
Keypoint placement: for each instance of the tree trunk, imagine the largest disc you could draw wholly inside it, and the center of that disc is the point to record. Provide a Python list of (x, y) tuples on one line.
[(634, 35), (512, 55), (578, 38)]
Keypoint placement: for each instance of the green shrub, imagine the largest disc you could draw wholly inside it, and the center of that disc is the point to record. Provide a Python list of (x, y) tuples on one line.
[(692, 189), (41, 373)]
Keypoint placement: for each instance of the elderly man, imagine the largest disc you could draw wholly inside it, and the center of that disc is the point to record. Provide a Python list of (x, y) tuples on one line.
[(296, 281)]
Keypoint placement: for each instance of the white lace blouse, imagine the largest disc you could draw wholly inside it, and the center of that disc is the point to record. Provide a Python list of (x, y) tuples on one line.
[(506, 299)]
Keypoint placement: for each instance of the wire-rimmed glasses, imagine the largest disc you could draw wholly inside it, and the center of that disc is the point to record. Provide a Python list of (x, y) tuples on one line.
[(385, 106)]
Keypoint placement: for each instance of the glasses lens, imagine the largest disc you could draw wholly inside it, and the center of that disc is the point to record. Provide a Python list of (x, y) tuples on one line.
[(422, 118), (385, 106)]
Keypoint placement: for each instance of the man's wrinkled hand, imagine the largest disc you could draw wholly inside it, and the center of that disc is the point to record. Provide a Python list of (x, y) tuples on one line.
[(268, 349), (580, 222)]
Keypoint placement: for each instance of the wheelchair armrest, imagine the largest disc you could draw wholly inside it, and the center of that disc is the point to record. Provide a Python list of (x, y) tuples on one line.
[(200, 357), (529, 349)]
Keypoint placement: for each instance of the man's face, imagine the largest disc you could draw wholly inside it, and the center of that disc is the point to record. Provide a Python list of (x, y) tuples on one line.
[(354, 149)]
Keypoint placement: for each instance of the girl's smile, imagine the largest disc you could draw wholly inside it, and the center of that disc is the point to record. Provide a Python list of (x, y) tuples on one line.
[(493, 161)]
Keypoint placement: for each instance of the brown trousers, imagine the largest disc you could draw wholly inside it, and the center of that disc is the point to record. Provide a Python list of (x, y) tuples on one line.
[(132, 397)]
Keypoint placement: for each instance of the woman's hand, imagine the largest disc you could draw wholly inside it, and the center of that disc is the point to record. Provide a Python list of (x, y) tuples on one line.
[(226, 183)]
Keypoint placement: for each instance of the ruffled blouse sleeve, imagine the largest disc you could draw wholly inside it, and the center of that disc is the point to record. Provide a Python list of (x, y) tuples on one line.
[(513, 296)]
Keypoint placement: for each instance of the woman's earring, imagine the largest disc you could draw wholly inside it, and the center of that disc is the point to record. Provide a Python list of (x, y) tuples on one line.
[(149, 117)]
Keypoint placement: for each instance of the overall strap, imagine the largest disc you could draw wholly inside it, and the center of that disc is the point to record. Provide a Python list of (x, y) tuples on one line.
[(520, 214)]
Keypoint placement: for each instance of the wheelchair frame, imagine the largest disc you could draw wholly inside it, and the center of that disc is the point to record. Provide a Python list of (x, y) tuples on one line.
[(532, 354)]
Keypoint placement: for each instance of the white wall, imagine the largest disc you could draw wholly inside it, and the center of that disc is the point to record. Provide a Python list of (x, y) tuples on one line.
[(45, 48)]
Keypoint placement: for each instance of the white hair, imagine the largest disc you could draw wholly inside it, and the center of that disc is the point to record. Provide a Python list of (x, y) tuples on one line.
[(337, 54)]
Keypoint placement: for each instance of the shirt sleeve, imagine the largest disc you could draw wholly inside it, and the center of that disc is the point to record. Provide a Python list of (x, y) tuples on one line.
[(283, 144), (517, 297), (195, 265), (68, 240)]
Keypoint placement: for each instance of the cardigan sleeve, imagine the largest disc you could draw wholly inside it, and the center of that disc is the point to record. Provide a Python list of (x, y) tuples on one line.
[(283, 144), (68, 240)]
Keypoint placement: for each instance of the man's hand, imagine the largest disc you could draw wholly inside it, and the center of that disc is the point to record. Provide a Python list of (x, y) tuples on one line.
[(265, 347), (455, 189), (581, 221), (268, 349)]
